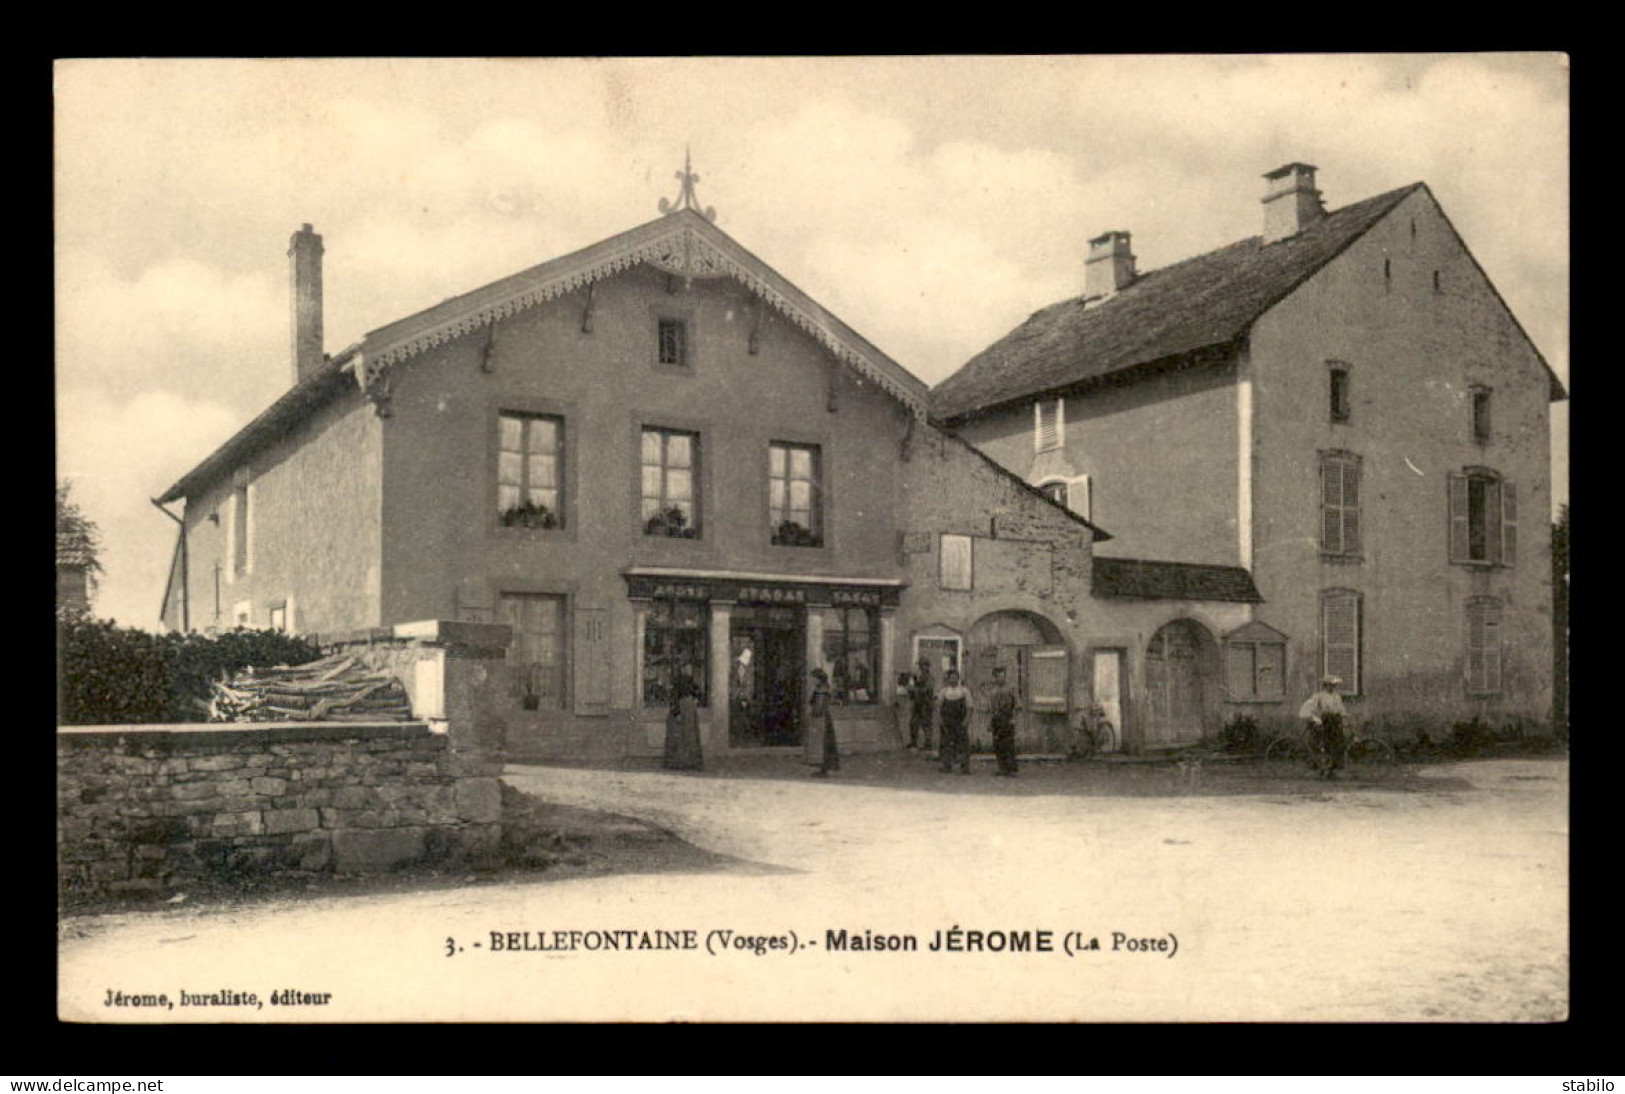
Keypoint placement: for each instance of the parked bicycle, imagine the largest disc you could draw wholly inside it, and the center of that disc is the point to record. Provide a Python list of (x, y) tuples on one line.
[(1096, 734), (1302, 747)]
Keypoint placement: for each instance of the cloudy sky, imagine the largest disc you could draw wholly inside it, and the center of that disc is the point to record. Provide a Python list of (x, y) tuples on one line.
[(931, 203)]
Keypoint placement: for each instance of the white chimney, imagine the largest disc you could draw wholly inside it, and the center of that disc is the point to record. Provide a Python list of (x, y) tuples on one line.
[(305, 285), (1110, 265), (1291, 202)]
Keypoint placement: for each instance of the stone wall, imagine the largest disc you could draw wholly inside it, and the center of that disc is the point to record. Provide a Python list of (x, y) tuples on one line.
[(145, 809)]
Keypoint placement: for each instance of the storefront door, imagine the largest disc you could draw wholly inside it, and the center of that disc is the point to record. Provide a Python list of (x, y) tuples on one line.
[(768, 651)]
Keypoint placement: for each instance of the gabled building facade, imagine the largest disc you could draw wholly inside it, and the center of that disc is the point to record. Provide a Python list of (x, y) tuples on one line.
[(665, 467), (1344, 409)]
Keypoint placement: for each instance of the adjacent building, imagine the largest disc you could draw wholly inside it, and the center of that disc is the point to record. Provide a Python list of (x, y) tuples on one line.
[(1335, 431)]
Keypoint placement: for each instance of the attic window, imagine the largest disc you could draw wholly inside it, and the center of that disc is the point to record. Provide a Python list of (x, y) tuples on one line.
[(1387, 275), (1438, 287), (673, 343), (1049, 420), (1339, 391), (1481, 415)]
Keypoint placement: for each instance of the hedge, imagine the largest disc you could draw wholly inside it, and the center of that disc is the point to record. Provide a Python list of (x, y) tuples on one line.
[(112, 675)]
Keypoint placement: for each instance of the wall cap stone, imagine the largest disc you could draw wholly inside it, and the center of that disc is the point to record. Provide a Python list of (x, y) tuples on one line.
[(238, 733)]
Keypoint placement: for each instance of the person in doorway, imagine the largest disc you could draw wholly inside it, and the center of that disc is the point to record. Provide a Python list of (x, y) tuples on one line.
[(683, 751), (1001, 708), (821, 751), (954, 706), (922, 700), (1325, 713)]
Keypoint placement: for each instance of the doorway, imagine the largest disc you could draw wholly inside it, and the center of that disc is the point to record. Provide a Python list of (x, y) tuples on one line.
[(1179, 667), (767, 649), (1030, 650), (1108, 692)]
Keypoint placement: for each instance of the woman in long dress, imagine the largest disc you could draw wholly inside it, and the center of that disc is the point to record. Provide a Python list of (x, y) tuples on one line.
[(821, 750), (683, 752)]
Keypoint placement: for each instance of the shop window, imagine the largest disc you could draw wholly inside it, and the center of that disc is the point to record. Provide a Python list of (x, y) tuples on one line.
[(795, 503), (536, 651), (852, 652), (529, 490), (671, 465), (676, 636), (944, 653)]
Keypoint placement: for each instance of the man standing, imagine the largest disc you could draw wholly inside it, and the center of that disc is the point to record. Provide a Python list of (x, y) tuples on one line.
[(1324, 712), (1001, 705), (922, 698)]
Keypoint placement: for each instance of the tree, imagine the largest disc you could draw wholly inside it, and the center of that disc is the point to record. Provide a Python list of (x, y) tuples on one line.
[(78, 554), (1560, 624)]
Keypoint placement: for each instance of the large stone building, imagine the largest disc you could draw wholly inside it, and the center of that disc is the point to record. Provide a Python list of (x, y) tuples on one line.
[(1342, 407), (666, 468)]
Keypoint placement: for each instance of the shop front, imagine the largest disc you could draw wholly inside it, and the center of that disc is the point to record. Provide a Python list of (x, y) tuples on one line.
[(745, 645)]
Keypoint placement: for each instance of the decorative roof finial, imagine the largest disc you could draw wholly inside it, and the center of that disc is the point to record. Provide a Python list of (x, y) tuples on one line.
[(685, 197)]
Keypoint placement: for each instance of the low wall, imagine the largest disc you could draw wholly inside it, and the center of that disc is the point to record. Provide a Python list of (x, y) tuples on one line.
[(149, 808)]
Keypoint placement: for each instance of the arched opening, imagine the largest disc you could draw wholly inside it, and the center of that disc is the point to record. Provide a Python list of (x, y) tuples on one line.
[(1037, 666), (1182, 687)]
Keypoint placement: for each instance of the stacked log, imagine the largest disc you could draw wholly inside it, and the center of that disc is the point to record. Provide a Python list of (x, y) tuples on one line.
[(339, 688)]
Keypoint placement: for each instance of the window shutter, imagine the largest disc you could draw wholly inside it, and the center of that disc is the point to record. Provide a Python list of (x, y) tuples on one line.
[(1048, 681), (1509, 524), (1492, 648), (592, 661), (1351, 506), (1271, 657), (1240, 671), (1484, 647), (230, 522), (1340, 638), (1079, 497), (1457, 488), (249, 506), (1047, 424), (1331, 506), (955, 562)]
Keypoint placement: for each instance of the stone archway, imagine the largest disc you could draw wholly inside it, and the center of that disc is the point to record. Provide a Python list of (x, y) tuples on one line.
[(1037, 663), (1182, 686)]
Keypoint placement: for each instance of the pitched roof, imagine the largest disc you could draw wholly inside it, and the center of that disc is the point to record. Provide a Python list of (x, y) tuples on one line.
[(74, 549), (1207, 301), (682, 243), (1145, 580)]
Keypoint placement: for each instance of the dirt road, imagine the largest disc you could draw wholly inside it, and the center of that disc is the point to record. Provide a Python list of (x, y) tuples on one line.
[(1442, 897)]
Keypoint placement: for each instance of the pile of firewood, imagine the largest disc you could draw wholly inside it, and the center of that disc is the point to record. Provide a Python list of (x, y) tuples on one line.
[(335, 689)]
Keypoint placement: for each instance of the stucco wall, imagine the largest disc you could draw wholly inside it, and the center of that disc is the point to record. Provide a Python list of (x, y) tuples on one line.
[(314, 508), (1412, 355), (446, 555), (1161, 455)]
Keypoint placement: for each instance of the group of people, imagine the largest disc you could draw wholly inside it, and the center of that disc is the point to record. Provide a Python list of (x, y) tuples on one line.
[(951, 707)]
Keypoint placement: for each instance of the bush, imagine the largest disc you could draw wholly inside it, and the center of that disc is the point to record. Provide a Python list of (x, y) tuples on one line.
[(112, 675), (1240, 734)]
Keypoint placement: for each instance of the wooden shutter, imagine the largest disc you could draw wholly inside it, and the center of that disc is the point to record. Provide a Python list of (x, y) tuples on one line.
[(956, 562), (1271, 669), (1351, 506), (1047, 424), (1340, 638), (1080, 497), (1484, 647), (1331, 505), (1457, 501), (592, 661), (1240, 669), (1509, 524), (1047, 684)]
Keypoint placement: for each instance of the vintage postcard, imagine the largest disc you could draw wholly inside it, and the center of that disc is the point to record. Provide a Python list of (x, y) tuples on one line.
[(847, 539)]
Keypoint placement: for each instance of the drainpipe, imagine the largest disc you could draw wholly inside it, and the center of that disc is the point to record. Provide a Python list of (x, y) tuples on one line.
[(186, 584)]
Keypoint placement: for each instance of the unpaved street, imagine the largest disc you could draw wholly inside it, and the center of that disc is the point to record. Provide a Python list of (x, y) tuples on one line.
[(1440, 897)]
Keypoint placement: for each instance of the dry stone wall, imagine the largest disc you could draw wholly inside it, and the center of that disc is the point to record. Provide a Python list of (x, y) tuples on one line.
[(150, 808)]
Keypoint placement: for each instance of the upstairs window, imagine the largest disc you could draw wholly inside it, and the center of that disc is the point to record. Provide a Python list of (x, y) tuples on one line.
[(1338, 388), (1340, 504), (672, 338), (1073, 494), (1054, 491), (529, 494), (794, 504), (1341, 628), (1481, 415), (536, 651), (671, 463), (239, 529), (1049, 422), (1484, 646), (1483, 518)]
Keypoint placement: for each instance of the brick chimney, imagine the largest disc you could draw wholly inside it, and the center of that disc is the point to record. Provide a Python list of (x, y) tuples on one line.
[(305, 285), (1291, 202), (1109, 267)]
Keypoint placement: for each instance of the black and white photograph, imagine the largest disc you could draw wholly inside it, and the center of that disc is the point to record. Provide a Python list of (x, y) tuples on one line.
[(784, 539)]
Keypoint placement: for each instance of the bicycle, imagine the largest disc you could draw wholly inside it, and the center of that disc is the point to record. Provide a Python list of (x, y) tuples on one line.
[(1095, 735), (1300, 746)]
